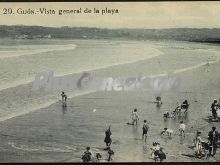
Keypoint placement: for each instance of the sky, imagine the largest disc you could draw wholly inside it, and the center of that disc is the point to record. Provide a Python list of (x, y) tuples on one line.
[(148, 15)]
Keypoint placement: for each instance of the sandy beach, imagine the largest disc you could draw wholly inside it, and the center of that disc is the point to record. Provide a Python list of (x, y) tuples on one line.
[(54, 134)]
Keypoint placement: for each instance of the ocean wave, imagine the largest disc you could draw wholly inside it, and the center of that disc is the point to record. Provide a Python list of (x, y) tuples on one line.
[(26, 81), (196, 66), (185, 69), (21, 50)]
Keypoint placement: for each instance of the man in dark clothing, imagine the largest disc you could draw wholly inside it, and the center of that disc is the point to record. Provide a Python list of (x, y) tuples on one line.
[(213, 137)]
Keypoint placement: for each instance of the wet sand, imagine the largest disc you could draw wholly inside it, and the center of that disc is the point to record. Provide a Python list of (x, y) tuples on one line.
[(54, 134)]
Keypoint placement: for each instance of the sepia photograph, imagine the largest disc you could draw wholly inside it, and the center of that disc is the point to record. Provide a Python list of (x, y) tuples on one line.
[(89, 82)]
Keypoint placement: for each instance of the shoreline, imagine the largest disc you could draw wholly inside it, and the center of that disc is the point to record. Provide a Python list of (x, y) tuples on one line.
[(118, 67), (107, 68)]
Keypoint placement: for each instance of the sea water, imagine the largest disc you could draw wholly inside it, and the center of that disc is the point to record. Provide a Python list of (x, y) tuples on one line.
[(21, 60)]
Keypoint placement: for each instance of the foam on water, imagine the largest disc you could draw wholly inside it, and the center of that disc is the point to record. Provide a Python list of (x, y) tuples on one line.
[(33, 108), (23, 50), (152, 52), (42, 148), (185, 69), (196, 66)]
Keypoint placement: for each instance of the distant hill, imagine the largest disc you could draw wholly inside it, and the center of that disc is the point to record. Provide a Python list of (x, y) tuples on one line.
[(181, 34)]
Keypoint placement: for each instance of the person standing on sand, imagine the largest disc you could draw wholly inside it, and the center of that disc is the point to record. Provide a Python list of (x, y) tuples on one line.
[(110, 154), (213, 137), (108, 139), (64, 97), (135, 117), (182, 128), (145, 130), (87, 155), (158, 100), (198, 143), (214, 108)]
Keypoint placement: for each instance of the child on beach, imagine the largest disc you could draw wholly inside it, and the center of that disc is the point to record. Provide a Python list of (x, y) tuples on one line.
[(167, 131), (135, 117), (158, 100), (156, 147), (166, 114), (198, 144), (145, 130), (98, 157), (185, 104), (157, 152), (87, 155), (159, 155), (182, 128), (214, 108), (64, 97), (110, 154)]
